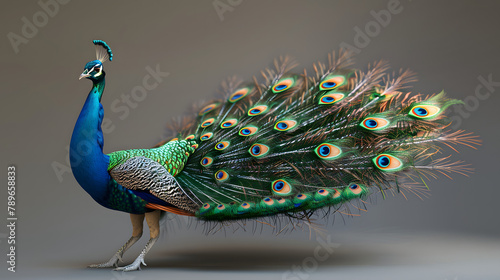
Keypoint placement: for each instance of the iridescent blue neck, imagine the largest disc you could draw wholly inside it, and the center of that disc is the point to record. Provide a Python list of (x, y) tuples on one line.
[(88, 162)]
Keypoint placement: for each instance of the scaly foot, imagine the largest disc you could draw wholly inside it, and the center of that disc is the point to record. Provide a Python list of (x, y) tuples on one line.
[(136, 265), (113, 262)]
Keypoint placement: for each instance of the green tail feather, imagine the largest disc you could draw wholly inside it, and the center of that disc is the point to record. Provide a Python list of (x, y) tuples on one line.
[(299, 143)]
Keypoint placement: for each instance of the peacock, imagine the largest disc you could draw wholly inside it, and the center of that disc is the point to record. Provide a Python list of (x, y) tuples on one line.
[(285, 146)]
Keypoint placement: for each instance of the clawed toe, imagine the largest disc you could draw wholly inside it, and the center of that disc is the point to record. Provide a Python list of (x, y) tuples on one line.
[(104, 265), (136, 265)]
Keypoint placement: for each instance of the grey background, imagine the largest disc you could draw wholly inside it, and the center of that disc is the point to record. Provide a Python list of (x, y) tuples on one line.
[(453, 234)]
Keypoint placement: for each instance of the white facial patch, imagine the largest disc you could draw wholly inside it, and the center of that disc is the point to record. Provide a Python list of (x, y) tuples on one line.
[(100, 70)]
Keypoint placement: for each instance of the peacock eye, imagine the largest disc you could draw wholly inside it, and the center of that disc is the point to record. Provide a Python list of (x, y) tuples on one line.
[(208, 108), (257, 110), (206, 136), (374, 123), (221, 175), (283, 85), (258, 150), (222, 145), (332, 81), (97, 69), (206, 161), (331, 97), (229, 123), (387, 162), (285, 125), (207, 123), (281, 187), (239, 94), (424, 111), (248, 130), (328, 151), (355, 188)]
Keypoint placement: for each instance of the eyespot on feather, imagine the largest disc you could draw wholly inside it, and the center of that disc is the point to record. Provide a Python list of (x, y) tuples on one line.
[(229, 123), (283, 84), (248, 130), (208, 109), (331, 98), (221, 176), (424, 111), (206, 161), (328, 151), (323, 192), (222, 145), (373, 123), (285, 125), (387, 162), (245, 205), (281, 187), (257, 110), (207, 123), (206, 136), (239, 94), (268, 201), (355, 188), (258, 150), (221, 207), (331, 82)]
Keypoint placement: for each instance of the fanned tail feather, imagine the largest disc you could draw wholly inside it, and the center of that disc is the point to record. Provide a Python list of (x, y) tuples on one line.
[(297, 143)]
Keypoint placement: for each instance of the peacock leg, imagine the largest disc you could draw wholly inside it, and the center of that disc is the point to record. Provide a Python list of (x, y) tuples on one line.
[(153, 220), (137, 223)]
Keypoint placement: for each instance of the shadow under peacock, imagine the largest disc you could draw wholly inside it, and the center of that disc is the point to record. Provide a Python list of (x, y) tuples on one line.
[(287, 147)]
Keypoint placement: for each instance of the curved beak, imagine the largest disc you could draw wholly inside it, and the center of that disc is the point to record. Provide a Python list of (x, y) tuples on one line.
[(83, 75)]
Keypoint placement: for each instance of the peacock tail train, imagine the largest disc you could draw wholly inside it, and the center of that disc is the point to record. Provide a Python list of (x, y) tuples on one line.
[(297, 143), (286, 147)]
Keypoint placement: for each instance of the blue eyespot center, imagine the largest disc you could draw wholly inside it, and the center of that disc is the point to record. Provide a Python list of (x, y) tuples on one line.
[(255, 111), (245, 131), (219, 175), (421, 111), (321, 191), (205, 161), (220, 146), (267, 199), (280, 87), (256, 150), (324, 150), (371, 123), (329, 84), (327, 99), (384, 161), (282, 125), (237, 96), (279, 186), (353, 186)]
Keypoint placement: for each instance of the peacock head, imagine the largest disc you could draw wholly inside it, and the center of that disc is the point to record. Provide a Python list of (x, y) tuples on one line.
[(93, 69)]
